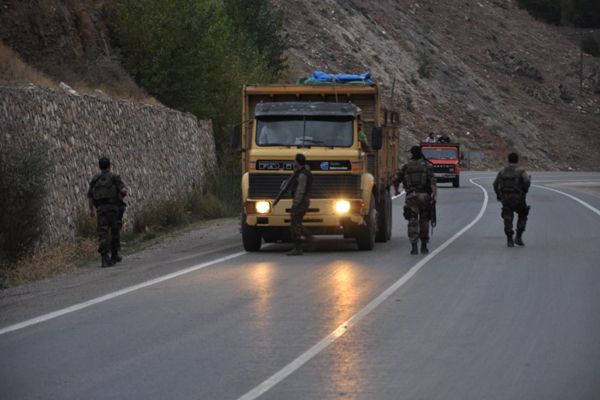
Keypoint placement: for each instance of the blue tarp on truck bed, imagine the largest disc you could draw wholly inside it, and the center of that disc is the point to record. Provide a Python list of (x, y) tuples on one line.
[(319, 77)]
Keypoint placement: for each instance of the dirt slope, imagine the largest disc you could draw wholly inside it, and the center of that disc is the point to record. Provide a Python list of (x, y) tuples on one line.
[(484, 71), (67, 40)]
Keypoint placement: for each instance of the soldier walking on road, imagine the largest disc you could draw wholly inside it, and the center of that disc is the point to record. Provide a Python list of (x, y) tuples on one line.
[(301, 184), (105, 196), (421, 194), (511, 186)]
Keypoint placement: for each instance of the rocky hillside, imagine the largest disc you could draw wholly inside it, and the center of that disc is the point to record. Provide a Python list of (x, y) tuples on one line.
[(483, 71)]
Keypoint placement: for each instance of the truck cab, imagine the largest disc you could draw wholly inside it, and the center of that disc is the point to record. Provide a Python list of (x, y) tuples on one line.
[(445, 158)]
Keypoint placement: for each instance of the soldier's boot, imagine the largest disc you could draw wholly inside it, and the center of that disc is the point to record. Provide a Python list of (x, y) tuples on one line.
[(519, 238), (509, 240), (115, 258), (296, 251), (105, 261), (414, 249), (424, 249)]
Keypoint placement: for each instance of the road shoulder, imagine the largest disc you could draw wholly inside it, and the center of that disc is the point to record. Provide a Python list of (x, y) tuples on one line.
[(163, 255)]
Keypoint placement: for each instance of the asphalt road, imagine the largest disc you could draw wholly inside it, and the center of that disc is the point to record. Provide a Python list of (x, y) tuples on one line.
[(472, 320)]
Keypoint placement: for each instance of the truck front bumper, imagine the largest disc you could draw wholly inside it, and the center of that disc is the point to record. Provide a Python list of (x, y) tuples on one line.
[(320, 213), (310, 220), (445, 177)]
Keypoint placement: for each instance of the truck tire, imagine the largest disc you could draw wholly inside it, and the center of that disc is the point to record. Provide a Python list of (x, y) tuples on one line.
[(456, 181), (384, 218), (251, 236), (365, 237)]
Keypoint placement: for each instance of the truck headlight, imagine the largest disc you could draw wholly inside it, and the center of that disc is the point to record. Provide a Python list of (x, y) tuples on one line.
[(342, 206), (263, 207)]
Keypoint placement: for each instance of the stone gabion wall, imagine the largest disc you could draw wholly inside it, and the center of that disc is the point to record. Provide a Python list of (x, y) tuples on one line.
[(158, 152)]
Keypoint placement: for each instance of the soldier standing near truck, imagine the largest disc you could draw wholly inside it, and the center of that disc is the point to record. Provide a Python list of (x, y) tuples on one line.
[(301, 184), (511, 186), (421, 194)]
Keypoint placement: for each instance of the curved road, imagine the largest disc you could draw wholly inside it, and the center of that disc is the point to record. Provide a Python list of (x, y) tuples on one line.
[(472, 320)]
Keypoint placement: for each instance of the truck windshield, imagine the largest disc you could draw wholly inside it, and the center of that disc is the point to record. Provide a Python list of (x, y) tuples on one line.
[(433, 153), (304, 131)]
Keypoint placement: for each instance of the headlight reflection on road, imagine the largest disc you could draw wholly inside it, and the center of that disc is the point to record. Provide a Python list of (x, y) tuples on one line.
[(346, 290), (261, 285)]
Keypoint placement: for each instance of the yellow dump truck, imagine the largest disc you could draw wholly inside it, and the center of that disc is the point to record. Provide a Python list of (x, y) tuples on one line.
[(351, 144)]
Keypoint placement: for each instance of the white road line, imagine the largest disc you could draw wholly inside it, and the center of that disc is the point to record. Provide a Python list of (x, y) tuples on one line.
[(343, 328), (594, 209), (578, 181), (112, 295)]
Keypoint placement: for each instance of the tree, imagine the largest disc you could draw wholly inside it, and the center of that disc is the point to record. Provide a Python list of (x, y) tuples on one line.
[(578, 13), (581, 13), (256, 25), (194, 55), (547, 10)]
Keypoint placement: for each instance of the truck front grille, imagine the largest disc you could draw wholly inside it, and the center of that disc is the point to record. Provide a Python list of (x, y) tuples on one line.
[(443, 168), (324, 186)]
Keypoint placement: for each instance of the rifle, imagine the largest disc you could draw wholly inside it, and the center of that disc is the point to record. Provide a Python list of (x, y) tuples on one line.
[(285, 187), (433, 217)]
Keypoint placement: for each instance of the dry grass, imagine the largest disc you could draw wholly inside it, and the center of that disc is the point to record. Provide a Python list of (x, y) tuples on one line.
[(15, 70), (49, 261), (116, 91)]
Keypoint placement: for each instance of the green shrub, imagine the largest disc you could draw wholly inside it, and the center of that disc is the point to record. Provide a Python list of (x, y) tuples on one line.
[(204, 206), (226, 186), (591, 46), (85, 226), (24, 168), (167, 213)]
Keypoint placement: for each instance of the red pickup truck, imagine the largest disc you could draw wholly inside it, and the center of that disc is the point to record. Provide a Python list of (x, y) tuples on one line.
[(445, 158)]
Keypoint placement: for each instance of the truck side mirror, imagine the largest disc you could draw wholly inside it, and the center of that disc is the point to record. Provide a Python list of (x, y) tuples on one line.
[(235, 137), (377, 138)]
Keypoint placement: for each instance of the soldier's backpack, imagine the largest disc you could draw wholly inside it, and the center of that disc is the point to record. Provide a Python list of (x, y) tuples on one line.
[(415, 177), (104, 188), (510, 181)]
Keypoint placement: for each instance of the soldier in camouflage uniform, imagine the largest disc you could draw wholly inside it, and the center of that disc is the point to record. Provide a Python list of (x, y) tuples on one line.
[(105, 195), (511, 186), (301, 185), (421, 193)]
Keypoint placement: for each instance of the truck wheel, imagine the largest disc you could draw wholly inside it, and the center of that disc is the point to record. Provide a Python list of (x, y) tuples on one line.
[(384, 218), (365, 237), (251, 236), (456, 181)]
